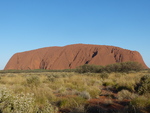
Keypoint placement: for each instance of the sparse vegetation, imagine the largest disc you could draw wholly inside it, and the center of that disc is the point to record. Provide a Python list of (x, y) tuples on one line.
[(50, 92)]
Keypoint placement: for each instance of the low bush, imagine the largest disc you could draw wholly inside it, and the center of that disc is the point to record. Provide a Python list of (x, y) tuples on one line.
[(48, 108), (89, 69), (124, 67), (104, 75), (130, 66), (85, 95), (21, 103), (117, 67), (94, 109), (108, 83), (141, 102), (144, 86), (131, 109), (94, 92), (70, 102), (113, 67), (79, 109), (33, 80), (125, 94), (124, 87)]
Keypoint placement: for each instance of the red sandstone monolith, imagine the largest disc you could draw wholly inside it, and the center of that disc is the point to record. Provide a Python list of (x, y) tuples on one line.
[(72, 56)]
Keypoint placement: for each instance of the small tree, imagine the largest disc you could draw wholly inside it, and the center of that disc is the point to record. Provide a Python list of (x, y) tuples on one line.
[(117, 67), (113, 67), (89, 69), (130, 66)]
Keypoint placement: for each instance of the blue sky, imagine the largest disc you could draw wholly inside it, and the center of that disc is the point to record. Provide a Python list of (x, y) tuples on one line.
[(31, 24)]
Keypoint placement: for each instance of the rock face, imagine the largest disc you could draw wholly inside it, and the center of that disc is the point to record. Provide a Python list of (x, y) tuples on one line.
[(71, 56)]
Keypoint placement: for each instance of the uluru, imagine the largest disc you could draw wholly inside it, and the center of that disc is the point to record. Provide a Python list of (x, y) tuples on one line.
[(71, 56)]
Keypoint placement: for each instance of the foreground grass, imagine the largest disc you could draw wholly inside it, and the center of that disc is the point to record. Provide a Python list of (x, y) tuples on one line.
[(46, 92)]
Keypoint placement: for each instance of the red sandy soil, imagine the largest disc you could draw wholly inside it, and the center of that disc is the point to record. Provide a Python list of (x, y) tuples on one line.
[(106, 103), (71, 56), (103, 102)]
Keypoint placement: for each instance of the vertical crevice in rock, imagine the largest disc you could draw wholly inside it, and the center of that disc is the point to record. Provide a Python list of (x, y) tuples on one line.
[(115, 56), (70, 65), (74, 59), (76, 55), (112, 50), (43, 65), (87, 62), (17, 60), (118, 57), (94, 54)]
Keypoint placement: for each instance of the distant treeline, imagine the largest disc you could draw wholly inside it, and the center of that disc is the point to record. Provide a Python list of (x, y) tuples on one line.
[(86, 68), (36, 71), (117, 67)]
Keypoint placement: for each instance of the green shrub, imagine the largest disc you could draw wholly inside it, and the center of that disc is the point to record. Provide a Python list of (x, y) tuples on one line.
[(10, 103), (62, 103), (131, 109), (124, 87), (89, 69), (85, 95), (117, 67), (22, 103), (94, 92), (94, 109), (33, 80), (124, 67), (108, 84), (104, 75), (141, 102), (144, 85), (51, 78), (6, 100), (148, 70), (113, 67), (48, 108), (78, 109), (70, 102), (130, 66), (125, 94)]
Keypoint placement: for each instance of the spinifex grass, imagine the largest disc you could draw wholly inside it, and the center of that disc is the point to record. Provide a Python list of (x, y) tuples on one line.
[(47, 91)]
